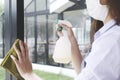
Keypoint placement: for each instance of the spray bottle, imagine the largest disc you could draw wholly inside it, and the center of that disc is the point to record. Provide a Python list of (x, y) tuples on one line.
[(62, 52)]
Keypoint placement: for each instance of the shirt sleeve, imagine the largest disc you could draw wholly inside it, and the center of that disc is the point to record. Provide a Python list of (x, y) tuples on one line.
[(103, 62), (86, 74)]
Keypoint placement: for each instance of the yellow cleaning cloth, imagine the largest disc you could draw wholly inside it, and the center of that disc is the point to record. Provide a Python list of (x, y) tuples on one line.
[(9, 64)]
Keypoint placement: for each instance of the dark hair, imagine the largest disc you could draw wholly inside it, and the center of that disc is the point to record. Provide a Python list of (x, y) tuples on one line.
[(114, 8), (95, 26)]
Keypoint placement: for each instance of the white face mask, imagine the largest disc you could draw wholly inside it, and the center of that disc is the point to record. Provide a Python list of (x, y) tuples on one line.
[(96, 10)]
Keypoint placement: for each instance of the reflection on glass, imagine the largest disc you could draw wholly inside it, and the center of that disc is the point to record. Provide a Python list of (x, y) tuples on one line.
[(40, 5), (1, 27), (27, 3), (1, 38), (1, 7), (48, 4), (41, 38), (29, 6), (52, 36), (41, 28), (51, 27), (29, 35)]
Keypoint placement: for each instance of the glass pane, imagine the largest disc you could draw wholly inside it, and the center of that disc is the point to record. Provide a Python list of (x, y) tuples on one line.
[(41, 25), (48, 4), (41, 38), (27, 3), (40, 5), (52, 36), (29, 35), (30, 6), (1, 38), (81, 27), (1, 7), (2, 71), (51, 27), (1, 27)]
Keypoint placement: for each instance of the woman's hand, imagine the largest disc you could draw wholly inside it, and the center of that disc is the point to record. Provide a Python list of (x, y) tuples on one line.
[(23, 63), (66, 27)]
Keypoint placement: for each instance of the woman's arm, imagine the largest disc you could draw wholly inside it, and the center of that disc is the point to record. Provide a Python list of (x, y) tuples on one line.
[(76, 55), (32, 76), (23, 63)]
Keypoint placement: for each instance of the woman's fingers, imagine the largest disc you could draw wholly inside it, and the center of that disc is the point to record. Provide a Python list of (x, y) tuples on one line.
[(23, 63), (58, 32), (69, 30), (56, 26), (26, 50), (64, 26), (22, 52), (22, 48), (15, 60), (18, 53), (67, 26)]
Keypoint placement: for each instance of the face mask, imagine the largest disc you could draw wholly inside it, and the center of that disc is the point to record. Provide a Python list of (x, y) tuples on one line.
[(96, 10)]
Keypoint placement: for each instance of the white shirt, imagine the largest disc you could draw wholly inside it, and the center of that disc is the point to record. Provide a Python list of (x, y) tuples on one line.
[(103, 62)]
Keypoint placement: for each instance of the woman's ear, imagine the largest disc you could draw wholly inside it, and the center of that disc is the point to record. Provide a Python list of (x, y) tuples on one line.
[(103, 2)]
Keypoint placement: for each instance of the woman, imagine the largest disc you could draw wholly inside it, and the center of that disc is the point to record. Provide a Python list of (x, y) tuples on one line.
[(103, 62)]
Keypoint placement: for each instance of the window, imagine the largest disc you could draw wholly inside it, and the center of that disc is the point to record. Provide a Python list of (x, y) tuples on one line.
[(81, 27), (40, 5), (29, 35), (1, 38), (30, 6)]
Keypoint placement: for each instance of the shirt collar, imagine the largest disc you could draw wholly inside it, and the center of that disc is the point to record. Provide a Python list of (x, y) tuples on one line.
[(106, 27)]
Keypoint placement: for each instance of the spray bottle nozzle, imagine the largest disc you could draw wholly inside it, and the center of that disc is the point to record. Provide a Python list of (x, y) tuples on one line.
[(60, 28)]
